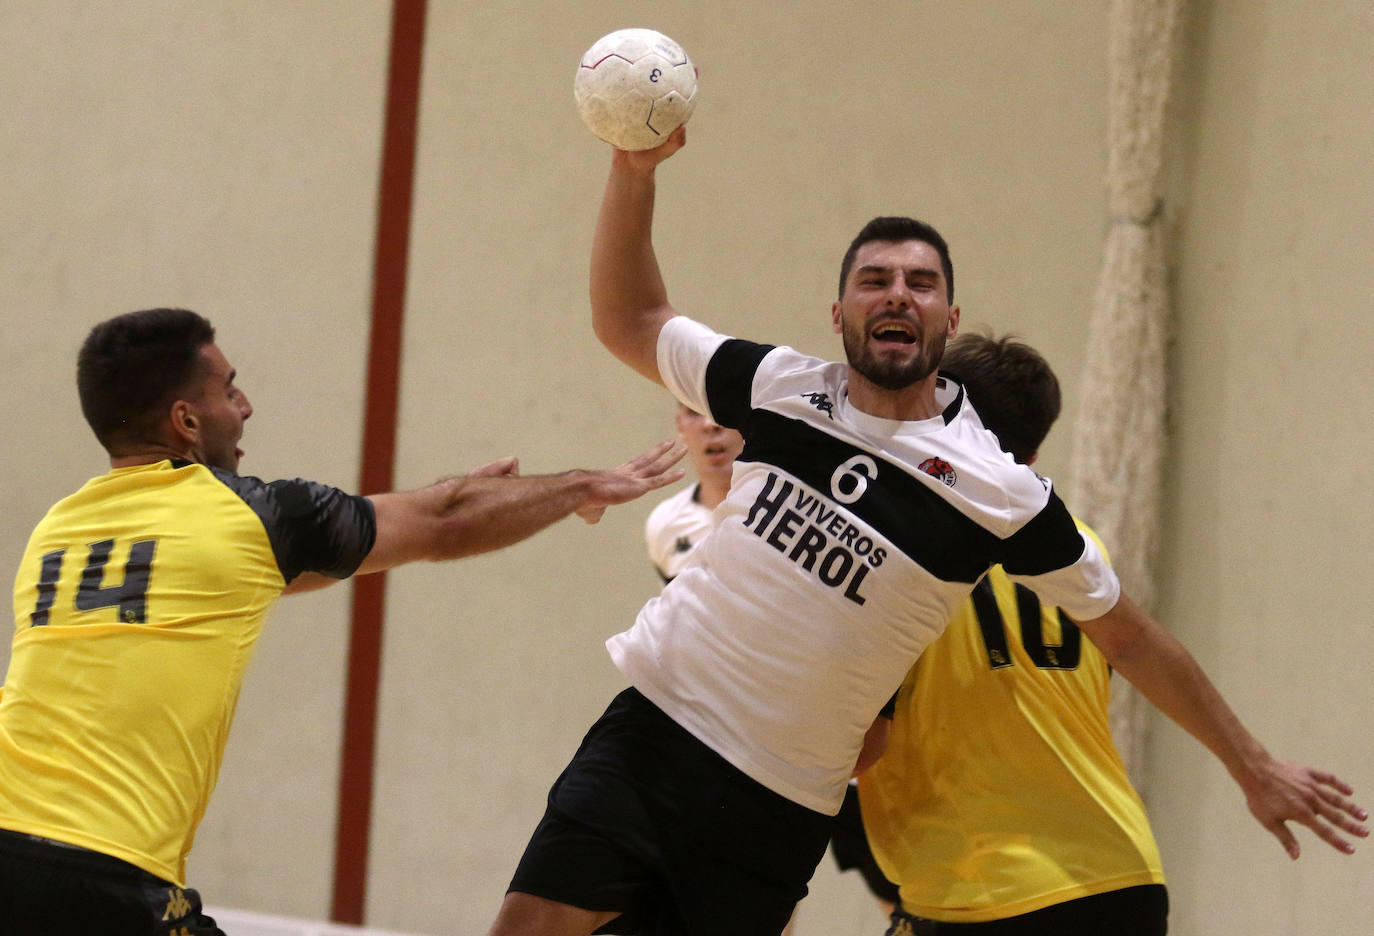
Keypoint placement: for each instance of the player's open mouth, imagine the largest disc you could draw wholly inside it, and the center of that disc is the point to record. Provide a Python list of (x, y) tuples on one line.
[(896, 332)]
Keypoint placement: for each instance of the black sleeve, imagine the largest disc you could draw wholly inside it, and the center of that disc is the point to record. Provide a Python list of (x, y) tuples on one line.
[(730, 380), (312, 527), (1049, 541)]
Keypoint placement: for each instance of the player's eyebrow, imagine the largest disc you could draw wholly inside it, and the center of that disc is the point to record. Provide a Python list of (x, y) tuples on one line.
[(869, 268)]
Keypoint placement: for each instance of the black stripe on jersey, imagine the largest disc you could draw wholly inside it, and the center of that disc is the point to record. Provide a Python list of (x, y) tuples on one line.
[(730, 380), (1049, 541), (312, 527), (956, 404), (919, 522)]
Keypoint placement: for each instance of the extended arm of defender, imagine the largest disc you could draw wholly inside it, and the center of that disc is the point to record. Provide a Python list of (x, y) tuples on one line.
[(629, 300), (494, 507), (1277, 792), (469, 515)]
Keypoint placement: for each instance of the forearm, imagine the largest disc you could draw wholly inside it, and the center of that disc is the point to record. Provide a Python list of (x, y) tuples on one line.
[(466, 516), (483, 514), (628, 297), (494, 507)]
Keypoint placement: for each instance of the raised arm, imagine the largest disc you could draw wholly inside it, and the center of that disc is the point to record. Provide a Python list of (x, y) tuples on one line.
[(629, 300), (474, 514), (1277, 792)]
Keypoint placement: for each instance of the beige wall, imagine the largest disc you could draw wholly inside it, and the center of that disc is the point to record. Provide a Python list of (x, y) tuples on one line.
[(224, 156), (1269, 503)]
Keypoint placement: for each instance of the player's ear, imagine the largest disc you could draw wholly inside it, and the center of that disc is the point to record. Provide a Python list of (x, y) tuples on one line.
[(835, 324), (953, 321), (185, 423)]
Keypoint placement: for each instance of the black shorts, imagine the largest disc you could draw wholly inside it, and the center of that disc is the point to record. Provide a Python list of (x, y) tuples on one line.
[(51, 889), (649, 822), (849, 845), (1130, 911)]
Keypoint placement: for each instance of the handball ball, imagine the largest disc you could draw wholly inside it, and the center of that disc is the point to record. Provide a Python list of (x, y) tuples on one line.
[(634, 87)]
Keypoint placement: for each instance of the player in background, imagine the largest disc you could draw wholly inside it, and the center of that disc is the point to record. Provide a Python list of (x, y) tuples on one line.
[(1001, 804), (866, 503), (139, 600), (677, 525)]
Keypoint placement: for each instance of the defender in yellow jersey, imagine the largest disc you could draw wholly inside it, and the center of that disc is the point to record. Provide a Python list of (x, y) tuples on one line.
[(138, 603), (1001, 792), (1001, 806)]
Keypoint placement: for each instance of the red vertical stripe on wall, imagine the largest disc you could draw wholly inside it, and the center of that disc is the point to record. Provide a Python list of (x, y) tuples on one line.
[(378, 455)]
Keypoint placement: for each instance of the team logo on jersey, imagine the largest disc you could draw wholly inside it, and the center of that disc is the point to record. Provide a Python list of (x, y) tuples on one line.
[(682, 545), (940, 469), (822, 402)]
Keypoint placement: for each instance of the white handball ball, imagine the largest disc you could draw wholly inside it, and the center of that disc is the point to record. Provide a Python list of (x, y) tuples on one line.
[(634, 87)]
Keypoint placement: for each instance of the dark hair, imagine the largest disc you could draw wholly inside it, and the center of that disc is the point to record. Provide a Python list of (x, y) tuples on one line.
[(1010, 385), (897, 230), (134, 365)]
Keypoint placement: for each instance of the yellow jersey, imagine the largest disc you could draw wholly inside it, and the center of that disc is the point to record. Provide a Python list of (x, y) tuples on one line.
[(1001, 791), (137, 605)]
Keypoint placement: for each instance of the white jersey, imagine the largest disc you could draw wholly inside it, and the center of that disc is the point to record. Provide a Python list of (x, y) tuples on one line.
[(674, 530), (845, 543)]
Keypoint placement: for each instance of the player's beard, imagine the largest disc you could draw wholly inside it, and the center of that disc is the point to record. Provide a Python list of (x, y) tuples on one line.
[(886, 374)]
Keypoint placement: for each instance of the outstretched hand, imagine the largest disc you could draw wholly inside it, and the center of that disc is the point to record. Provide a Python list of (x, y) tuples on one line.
[(647, 472), (1289, 792)]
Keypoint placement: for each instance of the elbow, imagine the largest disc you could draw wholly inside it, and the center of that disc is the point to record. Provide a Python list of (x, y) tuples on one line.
[(1123, 635), (631, 333), (612, 336), (602, 327)]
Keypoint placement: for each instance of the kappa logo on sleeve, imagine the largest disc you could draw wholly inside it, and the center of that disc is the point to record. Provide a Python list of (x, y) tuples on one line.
[(940, 469), (822, 403)]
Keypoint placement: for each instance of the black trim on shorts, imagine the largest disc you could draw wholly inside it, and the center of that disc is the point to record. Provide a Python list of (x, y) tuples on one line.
[(849, 845)]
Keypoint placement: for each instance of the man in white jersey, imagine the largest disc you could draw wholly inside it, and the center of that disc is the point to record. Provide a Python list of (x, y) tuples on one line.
[(866, 503), (672, 532)]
